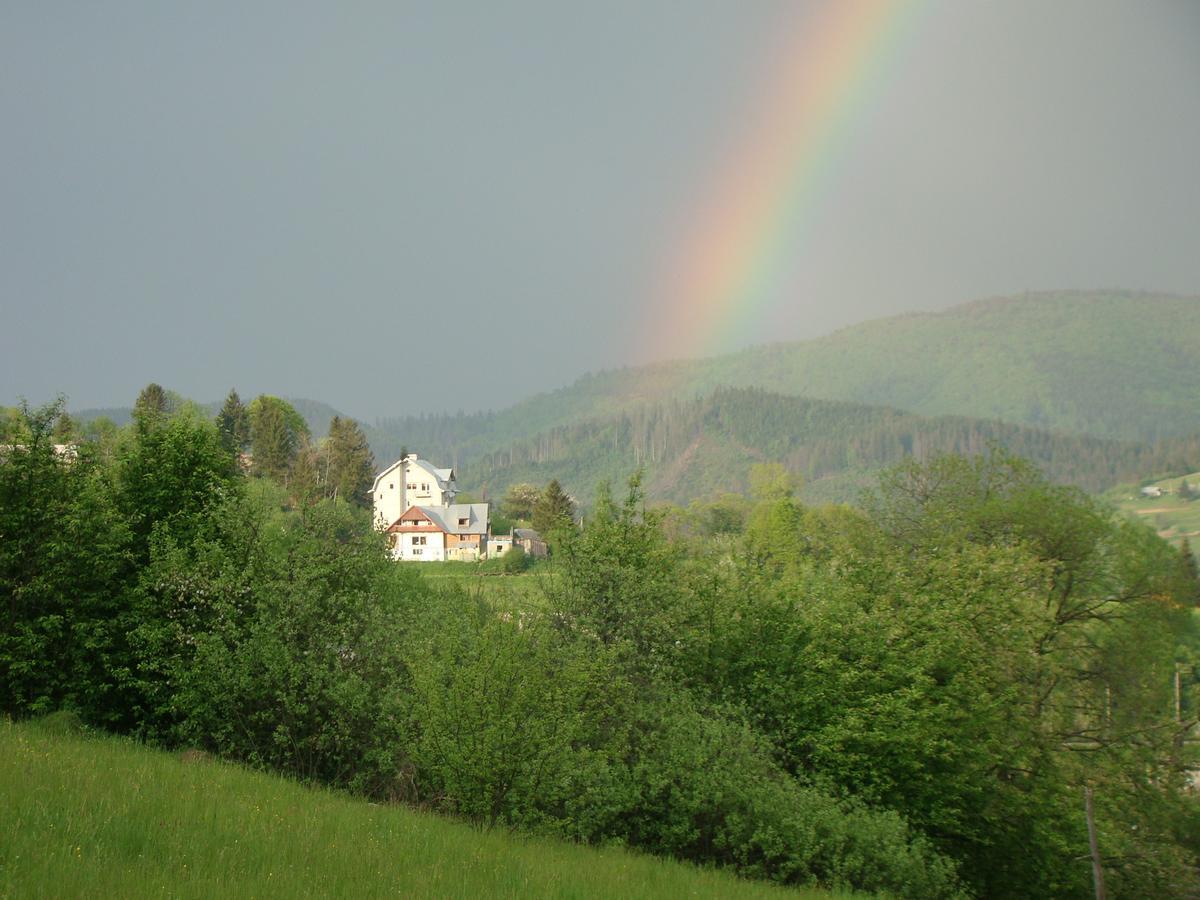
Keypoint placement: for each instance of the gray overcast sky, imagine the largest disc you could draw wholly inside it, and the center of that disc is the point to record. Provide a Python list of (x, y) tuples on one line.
[(399, 207)]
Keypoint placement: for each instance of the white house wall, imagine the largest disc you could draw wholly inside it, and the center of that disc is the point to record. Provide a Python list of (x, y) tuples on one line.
[(411, 548), (388, 499)]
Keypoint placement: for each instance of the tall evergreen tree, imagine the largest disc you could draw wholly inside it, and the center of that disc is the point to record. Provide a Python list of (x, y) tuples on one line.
[(278, 433), (65, 429), (151, 405), (233, 422), (554, 510), (350, 465)]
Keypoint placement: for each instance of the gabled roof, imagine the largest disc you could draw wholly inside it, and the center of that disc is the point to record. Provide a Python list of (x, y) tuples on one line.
[(476, 515), (442, 476), (445, 518), (379, 477), (420, 513)]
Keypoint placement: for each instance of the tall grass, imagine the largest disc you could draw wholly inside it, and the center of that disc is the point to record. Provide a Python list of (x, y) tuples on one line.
[(88, 816)]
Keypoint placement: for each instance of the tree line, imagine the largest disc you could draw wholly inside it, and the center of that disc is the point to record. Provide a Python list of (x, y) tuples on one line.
[(910, 698), (736, 427)]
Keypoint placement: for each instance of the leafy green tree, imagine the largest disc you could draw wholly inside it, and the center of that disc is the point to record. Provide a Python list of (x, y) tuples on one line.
[(621, 582), (233, 424), (554, 511), (170, 474), (63, 568), (772, 542), (277, 434), (519, 501)]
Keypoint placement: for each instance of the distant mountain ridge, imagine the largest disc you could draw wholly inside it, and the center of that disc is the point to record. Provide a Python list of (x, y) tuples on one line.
[(1098, 376), (695, 448)]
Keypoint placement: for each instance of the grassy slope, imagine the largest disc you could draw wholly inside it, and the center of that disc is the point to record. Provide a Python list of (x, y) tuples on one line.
[(101, 817), (1173, 518)]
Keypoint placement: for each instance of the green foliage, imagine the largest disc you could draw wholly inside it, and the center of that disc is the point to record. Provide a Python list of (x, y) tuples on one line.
[(233, 424), (553, 512), (63, 566), (519, 501), (110, 818), (152, 403), (170, 473), (908, 700), (278, 433), (350, 467), (515, 561)]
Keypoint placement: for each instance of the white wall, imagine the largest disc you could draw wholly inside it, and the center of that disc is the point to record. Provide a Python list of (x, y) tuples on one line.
[(411, 548)]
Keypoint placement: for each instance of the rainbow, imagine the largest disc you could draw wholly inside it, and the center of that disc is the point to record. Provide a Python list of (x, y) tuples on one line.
[(733, 265)]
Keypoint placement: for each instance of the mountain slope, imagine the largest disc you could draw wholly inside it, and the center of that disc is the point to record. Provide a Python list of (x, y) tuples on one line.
[(1112, 365), (694, 448)]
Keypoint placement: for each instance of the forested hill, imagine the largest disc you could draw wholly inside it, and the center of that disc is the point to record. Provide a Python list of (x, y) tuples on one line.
[(695, 448), (1114, 365)]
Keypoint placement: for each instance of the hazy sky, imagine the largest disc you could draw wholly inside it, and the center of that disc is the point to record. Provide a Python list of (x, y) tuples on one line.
[(398, 207)]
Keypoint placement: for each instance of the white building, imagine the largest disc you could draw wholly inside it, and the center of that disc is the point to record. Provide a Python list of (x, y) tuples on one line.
[(433, 533), (410, 481), (414, 504)]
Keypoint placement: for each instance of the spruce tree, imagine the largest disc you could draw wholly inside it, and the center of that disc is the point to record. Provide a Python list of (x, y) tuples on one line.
[(350, 465), (553, 511), (274, 440), (150, 407), (233, 422)]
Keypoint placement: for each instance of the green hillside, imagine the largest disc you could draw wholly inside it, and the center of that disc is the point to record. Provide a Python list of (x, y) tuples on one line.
[(695, 448), (102, 817), (1175, 513), (1107, 364)]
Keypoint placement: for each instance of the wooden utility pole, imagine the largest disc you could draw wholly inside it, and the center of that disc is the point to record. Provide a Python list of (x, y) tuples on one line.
[(1097, 870)]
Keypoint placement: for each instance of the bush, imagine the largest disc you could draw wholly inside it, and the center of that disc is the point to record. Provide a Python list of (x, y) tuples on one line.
[(515, 561)]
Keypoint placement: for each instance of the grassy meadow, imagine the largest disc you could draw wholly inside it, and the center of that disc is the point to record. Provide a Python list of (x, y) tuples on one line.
[(1173, 517), (502, 590), (104, 817)]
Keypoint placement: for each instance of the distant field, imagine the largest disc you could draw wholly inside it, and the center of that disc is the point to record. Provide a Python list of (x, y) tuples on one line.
[(507, 591), (103, 817), (1171, 516)]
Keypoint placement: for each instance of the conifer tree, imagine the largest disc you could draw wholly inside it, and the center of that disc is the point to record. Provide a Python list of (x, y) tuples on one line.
[(233, 422), (277, 433), (554, 510), (151, 406), (350, 465)]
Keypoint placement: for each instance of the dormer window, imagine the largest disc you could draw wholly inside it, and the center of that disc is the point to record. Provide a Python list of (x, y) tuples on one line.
[(464, 522)]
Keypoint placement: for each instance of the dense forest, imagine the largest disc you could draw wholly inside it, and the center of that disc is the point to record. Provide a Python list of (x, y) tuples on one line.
[(914, 698), (700, 447)]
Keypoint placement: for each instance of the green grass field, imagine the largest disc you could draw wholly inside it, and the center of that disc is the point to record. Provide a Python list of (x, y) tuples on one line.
[(500, 590), (1171, 516), (89, 816)]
